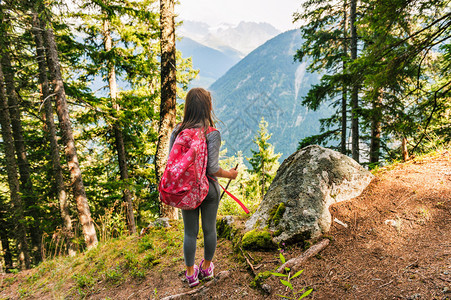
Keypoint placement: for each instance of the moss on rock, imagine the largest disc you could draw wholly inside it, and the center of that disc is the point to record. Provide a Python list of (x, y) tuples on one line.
[(278, 232), (257, 240), (276, 213), (228, 231), (224, 229)]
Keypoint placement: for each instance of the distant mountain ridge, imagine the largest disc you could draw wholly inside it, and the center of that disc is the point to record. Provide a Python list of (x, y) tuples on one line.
[(244, 37), (211, 63), (216, 50), (267, 83)]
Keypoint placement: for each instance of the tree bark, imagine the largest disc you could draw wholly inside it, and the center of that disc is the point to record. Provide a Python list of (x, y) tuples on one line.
[(355, 86), (168, 94), (46, 98), (118, 134), (405, 153), (78, 188), (344, 98), (26, 185), (7, 256), (375, 144), (5, 229), (13, 179)]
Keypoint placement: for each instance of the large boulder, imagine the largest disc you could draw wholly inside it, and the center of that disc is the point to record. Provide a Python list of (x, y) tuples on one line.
[(296, 206)]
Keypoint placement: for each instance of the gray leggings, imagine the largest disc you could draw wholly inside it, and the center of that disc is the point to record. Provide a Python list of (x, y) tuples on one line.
[(208, 211)]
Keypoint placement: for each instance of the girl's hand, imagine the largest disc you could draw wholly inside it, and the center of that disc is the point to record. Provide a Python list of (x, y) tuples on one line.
[(233, 173)]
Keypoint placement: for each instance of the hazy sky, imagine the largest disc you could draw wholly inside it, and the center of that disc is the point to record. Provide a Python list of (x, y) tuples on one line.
[(276, 12)]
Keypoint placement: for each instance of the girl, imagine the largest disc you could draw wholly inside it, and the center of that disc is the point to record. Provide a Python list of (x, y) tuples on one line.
[(198, 114)]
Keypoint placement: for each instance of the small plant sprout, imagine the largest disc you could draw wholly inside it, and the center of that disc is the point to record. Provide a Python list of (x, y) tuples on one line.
[(287, 282)]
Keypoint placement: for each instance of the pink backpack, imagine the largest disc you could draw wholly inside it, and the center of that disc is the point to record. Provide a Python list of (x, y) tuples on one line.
[(184, 183)]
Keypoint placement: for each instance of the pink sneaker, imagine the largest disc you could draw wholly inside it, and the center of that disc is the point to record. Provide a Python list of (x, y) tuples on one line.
[(193, 280), (208, 273)]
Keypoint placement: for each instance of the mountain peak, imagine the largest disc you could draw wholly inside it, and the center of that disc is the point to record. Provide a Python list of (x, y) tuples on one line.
[(244, 37), (267, 83)]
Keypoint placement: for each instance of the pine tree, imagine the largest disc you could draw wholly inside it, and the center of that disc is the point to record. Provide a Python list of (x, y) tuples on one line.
[(398, 72), (354, 86), (65, 124), (17, 207), (402, 71), (263, 161), (118, 133), (326, 33), (168, 93), (134, 57), (47, 100)]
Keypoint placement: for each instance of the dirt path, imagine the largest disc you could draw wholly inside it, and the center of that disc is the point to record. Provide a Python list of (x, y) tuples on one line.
[(397, 245)]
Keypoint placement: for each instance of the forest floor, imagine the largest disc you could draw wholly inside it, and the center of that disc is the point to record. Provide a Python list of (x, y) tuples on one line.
[(397, 245)]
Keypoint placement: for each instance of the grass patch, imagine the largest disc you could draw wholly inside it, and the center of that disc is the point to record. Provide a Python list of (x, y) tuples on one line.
[(112, 262)]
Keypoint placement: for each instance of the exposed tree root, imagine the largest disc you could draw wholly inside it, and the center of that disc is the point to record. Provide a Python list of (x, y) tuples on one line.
[(295, 263)]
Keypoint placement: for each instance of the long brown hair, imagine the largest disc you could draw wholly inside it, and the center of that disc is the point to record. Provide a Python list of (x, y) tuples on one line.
[(198, 110)]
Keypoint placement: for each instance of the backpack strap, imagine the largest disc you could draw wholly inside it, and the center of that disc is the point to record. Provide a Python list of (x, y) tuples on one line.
[(211, 129), (232, 196)]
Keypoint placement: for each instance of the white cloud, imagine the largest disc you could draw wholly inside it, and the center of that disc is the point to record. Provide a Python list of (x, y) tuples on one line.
[(279, 13)]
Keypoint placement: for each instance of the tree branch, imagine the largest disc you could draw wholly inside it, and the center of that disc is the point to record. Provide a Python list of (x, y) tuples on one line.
[(432, 113)]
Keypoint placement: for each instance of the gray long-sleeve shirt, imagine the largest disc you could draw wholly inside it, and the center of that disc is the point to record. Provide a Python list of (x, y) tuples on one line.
[(213, 145)]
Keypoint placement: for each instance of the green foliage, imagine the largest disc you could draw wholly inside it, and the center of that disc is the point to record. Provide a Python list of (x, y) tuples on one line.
[(404, 53), (150, 259), (134, 27), (112, 262), (238, 187), (224, 230), (83, 280), (288, 283), (326, 43), (135, 55), (113, 275), (264, 163), (145, 243), (320, 139)]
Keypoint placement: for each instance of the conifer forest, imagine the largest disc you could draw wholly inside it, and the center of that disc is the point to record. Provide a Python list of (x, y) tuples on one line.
[(91, 90)]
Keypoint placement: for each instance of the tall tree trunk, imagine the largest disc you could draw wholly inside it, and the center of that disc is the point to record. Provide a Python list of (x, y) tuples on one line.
[(355, 86), (376, 117), (5, 229), (13, 179), (26, 187), (344, 98), (168, 94), (405, 152), (84, 212), (118, 134), (46, 98), (7, 256)]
